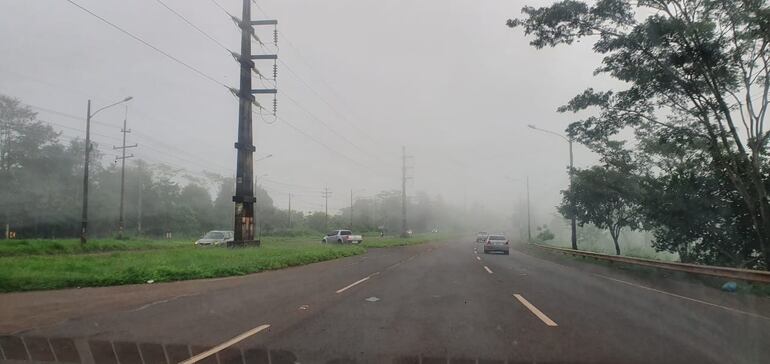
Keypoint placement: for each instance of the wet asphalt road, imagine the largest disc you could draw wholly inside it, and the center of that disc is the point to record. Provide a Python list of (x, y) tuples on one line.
[(431, 303)]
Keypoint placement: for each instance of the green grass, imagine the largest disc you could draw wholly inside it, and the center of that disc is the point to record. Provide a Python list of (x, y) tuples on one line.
[(27, 265), (36, 272), (9, 248)]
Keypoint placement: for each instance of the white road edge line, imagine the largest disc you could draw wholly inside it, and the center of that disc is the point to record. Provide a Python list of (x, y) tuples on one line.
[(534, 310), (684, 297), (488, 270), (362, 280), (225, 344)]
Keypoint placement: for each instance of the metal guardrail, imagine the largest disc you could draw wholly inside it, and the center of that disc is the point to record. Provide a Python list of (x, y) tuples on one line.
[(748, 275)]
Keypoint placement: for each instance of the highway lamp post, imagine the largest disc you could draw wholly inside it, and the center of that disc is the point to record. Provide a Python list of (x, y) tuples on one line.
[(84, 216), (573, 221)]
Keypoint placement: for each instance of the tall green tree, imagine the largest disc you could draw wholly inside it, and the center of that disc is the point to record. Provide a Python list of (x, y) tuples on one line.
[(698, 69), (603, 197)]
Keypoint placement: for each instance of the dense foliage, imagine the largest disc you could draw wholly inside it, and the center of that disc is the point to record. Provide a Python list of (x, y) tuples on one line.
[(697, 76)]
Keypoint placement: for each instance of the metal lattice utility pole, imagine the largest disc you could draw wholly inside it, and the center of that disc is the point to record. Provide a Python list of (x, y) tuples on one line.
[(244, 176), (123, 158), (289, 210), (326, 193)]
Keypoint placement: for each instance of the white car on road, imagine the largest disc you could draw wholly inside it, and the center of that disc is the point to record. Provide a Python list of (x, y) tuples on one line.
[(342, 236)]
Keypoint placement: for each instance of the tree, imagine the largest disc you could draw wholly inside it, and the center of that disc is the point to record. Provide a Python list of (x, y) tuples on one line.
[(223, 204), (544, 234), (697, 69), (197, 200), (603, 197)]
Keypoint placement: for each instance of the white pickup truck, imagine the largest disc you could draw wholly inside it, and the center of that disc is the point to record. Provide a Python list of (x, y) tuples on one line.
[(342, 236)]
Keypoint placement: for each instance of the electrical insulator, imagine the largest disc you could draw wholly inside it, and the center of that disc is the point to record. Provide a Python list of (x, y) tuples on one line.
[(275, 105), (275, 37), (275, 71)]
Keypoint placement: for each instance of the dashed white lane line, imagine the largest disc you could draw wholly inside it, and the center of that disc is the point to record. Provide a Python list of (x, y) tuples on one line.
[(684, 298), (478, 258), (488, 270), (225, 345), (362, 280), (534, 310)]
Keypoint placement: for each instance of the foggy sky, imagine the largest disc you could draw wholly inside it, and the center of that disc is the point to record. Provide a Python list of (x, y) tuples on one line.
[(446, 79)]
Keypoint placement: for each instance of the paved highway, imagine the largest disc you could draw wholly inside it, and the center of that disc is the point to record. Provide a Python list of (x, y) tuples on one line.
[(431, 303)]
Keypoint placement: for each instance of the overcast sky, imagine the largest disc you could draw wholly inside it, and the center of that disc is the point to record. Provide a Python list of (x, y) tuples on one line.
[(445, 79)]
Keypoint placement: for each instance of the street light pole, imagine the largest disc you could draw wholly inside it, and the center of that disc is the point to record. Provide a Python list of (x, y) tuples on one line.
[(573, 221), (84, 215)]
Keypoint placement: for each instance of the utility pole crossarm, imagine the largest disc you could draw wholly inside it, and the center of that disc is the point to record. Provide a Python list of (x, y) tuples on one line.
[(263, 22)]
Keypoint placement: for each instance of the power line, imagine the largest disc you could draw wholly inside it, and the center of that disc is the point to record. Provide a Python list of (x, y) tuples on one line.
[(75, 129), (145, 136), (180, 16), (320, 142), (137, 38), (307, 85), (222, 8), (329, 127), (320, 97), (70, 116)]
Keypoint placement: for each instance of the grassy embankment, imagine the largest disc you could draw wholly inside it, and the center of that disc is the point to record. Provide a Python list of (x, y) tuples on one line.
[(50, 264)]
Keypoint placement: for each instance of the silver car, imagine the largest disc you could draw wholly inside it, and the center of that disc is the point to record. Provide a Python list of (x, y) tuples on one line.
[(215, 237), (496, 243)]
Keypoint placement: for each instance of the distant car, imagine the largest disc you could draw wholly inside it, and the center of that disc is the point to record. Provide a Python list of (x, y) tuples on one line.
[(215, 237), (481, 237), (496, 243), (342, 236)]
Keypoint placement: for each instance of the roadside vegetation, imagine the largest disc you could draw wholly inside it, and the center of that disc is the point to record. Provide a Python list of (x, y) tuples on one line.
[(9, 248), (52, 264), (682, 143)]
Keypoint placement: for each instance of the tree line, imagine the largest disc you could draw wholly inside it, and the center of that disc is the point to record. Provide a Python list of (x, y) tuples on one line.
[(683, 147), (41, 180)]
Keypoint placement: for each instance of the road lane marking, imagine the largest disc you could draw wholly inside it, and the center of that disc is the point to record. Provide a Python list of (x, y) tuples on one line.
[(534, 310), (488, 270), (225, 344), (684, 297), (478, 258), (362, 280)]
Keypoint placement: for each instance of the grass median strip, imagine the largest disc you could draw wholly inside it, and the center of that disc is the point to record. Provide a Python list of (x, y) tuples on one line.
[(11, 248), (27, 265), (36, 272)]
